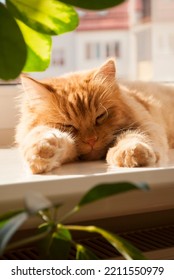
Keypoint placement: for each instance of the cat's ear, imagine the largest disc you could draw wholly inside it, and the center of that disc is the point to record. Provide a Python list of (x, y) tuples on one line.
[(106, 71), (34, 90)]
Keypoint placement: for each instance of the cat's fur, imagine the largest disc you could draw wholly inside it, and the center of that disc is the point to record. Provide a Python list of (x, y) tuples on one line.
[(90, 115)]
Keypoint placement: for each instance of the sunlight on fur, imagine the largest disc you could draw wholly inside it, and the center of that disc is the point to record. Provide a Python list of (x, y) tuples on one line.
[(90, 115)]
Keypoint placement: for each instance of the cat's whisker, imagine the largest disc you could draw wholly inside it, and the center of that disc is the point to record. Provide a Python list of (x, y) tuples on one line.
[(127, 127)]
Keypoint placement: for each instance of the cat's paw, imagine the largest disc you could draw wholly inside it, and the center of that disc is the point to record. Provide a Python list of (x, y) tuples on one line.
[(49, 152), (132, 155)]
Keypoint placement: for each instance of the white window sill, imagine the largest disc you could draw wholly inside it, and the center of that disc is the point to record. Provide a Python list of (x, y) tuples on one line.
[(69, 182)]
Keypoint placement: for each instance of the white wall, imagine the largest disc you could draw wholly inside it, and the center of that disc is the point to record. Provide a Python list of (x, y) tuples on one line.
[(103, 37), (163, 52)]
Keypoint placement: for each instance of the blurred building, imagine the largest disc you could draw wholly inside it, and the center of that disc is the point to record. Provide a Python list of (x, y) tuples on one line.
[(104, 34), (100, 34), (138, 33), (152, 40)]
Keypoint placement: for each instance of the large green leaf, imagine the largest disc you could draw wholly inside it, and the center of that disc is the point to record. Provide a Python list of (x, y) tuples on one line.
[(51, 17), (13, 51), (93, 4), (43, 245), (38, 49), (83, 253), (124, 247), (105, 190), (10, 228), (7, 216)]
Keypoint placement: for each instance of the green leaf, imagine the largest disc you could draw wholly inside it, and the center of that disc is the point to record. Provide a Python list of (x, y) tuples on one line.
[(10, 228), (83, 253), (13, 51), (7, 216), (61, 244), (38, 49), (43, 245), (50, 17), (108, 189), (63, 233), (93, 4), (125, 248)]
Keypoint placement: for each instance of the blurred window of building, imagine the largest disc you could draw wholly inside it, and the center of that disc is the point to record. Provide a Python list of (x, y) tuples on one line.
[(146, 8), (117, 48), (58, 57), (93, 50), (112, 49), (88, 51)]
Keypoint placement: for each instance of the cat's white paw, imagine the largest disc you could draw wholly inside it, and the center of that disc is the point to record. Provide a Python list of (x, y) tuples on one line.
[(132, 155), (49, 152)]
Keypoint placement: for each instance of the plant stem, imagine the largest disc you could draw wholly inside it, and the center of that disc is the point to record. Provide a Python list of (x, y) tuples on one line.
[(73, 211), (81, 228), (123, 246), (28, 240), (44, 216)]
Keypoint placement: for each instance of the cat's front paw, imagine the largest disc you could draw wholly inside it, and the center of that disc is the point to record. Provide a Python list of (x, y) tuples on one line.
[(49, 152), (132, 155)]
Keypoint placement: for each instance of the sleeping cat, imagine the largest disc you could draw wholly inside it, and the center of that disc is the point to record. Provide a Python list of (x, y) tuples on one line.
[(90, 116)]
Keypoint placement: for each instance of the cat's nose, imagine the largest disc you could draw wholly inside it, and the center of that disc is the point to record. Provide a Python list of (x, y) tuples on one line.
[(91, 141)]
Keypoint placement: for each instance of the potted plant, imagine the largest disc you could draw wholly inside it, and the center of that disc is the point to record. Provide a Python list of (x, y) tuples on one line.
[(53, 238)]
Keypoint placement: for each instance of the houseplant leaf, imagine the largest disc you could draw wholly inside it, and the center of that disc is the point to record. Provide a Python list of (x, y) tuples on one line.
[(93, 4), (10, 228), (108, 189), (13, 51), (7, 216), (43, 245), (83, 253), (124, 247), (103, 191), (50, 17), (38, 49)]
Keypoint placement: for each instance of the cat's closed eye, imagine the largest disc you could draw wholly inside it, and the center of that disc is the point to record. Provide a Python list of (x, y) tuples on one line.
[(67, 127), (101, 118)]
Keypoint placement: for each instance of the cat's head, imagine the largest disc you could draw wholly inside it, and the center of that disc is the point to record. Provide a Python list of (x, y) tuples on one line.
[(86, 104)]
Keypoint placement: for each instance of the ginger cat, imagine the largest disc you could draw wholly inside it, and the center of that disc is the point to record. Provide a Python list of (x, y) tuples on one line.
[(90, 116)]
